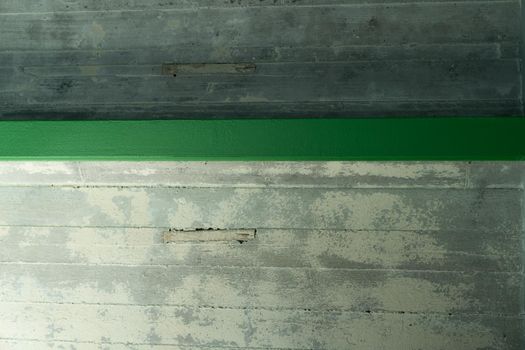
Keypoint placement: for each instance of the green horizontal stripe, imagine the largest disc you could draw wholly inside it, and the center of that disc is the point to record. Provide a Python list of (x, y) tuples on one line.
[(267, 139)]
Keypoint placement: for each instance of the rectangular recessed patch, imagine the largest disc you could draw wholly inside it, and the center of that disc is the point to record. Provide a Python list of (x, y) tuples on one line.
[(240, 235), (208, 68)]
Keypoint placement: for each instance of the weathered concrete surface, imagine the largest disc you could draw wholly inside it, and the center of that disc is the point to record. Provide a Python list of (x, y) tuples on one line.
[(359, 175), (468, 251), (296, 208), (346, 256), (288, 329), (523, 55), (92, 59)]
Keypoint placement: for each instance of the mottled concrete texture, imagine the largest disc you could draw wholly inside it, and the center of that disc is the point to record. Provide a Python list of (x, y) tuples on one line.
[(313, 58), (366, 256)]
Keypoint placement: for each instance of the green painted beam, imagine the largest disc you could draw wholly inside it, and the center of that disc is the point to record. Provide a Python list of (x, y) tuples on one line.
[(266, 139)]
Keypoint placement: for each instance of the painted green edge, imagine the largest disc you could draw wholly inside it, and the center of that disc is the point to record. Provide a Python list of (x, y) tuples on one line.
[(266, 139)]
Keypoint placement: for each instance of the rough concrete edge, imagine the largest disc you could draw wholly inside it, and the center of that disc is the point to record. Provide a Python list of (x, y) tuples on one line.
[(495, 175)]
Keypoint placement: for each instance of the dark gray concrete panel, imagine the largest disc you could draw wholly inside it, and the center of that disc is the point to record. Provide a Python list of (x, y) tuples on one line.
[(85, 59)]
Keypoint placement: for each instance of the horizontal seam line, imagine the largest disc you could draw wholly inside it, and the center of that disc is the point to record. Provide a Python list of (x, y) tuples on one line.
[(313, 229), (87, 185), (460, 187), (510, 43), (259, 308), (286, 63), (283, 102), (259, 268), (47, 341), (271, 8)]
